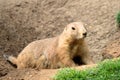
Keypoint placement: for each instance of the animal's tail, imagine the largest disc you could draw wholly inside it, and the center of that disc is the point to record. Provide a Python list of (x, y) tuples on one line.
[(12, 60)]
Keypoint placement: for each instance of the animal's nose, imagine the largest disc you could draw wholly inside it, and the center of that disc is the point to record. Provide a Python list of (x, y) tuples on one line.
[(85, 34)]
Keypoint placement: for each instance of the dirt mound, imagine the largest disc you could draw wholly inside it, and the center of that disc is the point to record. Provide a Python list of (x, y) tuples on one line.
[(112, 50), (22, 21), (31, 74)]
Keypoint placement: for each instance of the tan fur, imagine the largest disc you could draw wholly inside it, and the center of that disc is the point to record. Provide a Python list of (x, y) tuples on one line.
[(55, 52)]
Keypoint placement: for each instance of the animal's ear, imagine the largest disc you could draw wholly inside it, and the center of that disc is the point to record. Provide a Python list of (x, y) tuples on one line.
[(66, 28)]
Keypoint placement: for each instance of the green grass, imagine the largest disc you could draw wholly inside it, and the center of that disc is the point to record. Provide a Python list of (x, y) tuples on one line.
[(106, 70), (118, 18)]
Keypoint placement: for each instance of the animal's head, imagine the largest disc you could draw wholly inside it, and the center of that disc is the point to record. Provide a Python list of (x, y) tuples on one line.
[(76, 30)]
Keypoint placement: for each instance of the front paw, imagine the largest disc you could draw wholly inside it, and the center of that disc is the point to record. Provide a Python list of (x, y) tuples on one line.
[(70, 64)]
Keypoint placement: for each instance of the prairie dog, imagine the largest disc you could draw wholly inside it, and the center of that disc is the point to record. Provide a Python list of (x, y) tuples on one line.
[(55, 52)]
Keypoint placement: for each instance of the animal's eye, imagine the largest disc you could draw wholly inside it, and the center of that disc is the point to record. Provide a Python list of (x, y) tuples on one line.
[(73, 28)]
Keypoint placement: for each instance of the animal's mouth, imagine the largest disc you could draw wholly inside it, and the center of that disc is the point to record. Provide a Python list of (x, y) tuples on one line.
[(81, 38), (84, 37)]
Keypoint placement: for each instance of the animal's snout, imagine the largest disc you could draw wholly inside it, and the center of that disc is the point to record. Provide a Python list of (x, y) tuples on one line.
[(85, 34)]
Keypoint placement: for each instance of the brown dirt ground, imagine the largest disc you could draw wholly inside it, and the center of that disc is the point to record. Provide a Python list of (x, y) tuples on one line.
[(23, 21), (112, 50)]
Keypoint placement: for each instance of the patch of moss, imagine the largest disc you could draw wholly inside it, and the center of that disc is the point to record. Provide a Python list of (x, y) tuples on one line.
[(118, 19), (106, 70)]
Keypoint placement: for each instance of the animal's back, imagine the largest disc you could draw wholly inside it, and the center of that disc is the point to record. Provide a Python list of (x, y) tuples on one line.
[(38, 54), (40, 47)]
